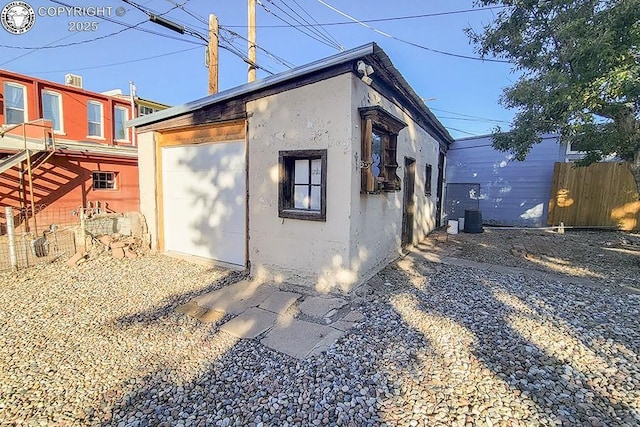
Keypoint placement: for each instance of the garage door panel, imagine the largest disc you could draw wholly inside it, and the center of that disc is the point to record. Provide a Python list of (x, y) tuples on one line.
[(219, 186), (204, 200), (229, 155)]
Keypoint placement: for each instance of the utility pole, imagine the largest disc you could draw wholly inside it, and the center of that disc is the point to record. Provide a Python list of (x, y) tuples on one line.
[(212, 57), (251, 36)]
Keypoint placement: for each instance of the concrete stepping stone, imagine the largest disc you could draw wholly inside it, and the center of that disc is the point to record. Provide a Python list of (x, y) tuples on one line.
[(318, 307), (210, 316), (204, 315), (353, 316), (191, 309), (348, 321), (342, 325), (299, 338), (279, 301), (253, 322), (237, 297)]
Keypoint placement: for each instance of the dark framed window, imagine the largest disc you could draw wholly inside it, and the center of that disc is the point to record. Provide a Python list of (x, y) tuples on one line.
[(143, 110), (427, 180), (302, 190), (379, 162), (104, 180)]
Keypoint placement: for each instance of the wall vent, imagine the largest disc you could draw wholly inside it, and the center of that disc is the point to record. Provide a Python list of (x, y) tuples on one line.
[(73, 80)]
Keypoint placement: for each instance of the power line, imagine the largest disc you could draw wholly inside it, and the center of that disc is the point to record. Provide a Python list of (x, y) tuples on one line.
[(473, 120), (106, 18), (190, 32), (74, 43), (32, 51), (115, 63), (397, 18), (461, 131), (277, 58), (456, 55), (311, 35), (192, 14), (467, 115), (203, 20), (239, 53), (326, 34)]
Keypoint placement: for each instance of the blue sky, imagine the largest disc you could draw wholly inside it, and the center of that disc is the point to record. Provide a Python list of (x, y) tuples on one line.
[(169, 67)]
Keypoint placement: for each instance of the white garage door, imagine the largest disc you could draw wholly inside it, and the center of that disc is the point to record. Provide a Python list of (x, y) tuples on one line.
[(204, 193)]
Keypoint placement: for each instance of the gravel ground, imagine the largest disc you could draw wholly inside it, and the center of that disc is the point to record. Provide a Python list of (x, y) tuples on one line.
[(608, 257), (100, 344)]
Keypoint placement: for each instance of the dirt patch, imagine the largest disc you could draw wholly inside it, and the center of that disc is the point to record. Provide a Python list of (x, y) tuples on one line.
[(604, 256)]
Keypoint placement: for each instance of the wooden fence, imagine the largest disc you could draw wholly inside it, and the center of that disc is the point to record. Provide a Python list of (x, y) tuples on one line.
[(599, 195)]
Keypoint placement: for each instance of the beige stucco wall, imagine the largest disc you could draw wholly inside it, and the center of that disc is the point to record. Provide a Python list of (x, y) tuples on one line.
[(316, 116), (376, 219), (362, 232), (147, 181)]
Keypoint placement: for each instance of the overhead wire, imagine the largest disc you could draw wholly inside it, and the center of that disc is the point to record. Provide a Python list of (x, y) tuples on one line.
[(203, 20), (235, 50), (391, 36), (396, 18), (230, 47), (194, 15), (461, 131), (467, 115), (191, 32), (466, 119), (314, 37), (316, 30), (115, 63), (273, 56), (317, 23)]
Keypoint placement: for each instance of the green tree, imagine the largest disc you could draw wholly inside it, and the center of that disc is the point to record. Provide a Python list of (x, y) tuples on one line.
[(579, 66)]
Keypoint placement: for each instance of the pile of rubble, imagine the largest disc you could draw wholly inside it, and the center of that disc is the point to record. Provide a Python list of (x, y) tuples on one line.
[(115, 245)]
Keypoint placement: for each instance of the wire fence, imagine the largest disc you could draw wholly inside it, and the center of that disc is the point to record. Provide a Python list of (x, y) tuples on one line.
[(34, 236), (30, 237)]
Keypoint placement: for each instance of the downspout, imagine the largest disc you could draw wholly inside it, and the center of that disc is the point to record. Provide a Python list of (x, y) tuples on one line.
[(134, 113)]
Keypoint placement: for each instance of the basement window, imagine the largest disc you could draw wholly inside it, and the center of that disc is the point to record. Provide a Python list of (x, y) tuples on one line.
[(104, 180), (302, 190), (379, 150)]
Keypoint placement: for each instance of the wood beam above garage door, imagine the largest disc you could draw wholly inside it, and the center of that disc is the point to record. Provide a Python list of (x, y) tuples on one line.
[(227, 131)]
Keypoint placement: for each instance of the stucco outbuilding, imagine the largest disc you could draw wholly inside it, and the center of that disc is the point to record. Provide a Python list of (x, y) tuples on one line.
[(317, 176)]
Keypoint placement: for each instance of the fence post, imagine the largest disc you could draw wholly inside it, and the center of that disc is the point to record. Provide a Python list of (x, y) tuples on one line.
[(11, 232), (83, 231)]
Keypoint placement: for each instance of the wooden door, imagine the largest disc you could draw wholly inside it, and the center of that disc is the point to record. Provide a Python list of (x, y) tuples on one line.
[(408, 212)]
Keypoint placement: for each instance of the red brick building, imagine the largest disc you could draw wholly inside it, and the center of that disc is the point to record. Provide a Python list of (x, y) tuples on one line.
[(63, 148)]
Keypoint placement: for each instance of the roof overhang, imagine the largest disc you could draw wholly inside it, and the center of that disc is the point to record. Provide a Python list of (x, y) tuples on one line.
[(370, 51)]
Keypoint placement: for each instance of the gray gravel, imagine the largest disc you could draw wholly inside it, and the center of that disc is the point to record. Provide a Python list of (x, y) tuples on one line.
[(440, 345)]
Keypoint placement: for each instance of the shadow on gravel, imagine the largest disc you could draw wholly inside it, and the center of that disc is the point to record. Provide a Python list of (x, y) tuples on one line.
[(602, 256), (565, 358), (170, 304), (443, 346)]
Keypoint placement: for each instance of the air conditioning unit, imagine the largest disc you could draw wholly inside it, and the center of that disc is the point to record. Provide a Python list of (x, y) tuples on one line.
[(73, 80)]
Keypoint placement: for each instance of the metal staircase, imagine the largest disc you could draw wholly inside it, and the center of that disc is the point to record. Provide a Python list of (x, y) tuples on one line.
[(9, 162)]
